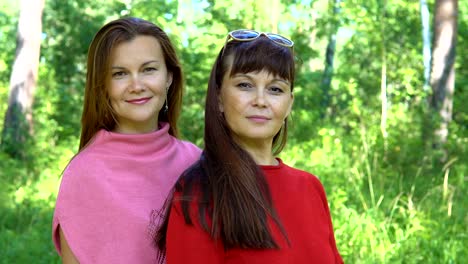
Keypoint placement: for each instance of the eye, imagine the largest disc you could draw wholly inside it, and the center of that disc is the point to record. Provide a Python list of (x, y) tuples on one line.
[(149, 69), (118, 74), (244, 85), (276, 90)]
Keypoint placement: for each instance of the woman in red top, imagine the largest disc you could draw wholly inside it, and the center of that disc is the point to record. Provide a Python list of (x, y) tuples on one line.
[(239, 203)]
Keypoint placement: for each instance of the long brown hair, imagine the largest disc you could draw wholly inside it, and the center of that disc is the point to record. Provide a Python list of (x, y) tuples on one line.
[(97, 110), (227, 185)]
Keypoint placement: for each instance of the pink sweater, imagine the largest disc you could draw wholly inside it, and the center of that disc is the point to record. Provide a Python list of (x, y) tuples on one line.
[(110, 190)]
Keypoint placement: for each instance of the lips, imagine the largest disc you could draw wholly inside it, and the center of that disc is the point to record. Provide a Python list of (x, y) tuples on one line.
[(258, 118), (142, 100)]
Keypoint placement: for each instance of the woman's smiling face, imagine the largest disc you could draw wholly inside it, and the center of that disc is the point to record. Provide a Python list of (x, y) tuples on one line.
[(138, 84)]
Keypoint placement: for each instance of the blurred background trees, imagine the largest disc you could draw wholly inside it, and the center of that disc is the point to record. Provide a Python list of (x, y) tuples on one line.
[(375, 118), (18, 123)]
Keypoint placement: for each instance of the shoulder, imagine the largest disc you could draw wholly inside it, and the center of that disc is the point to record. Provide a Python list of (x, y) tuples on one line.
[(299, 173), (83, 160), (305, 178), (188, 145), (79, 184), (187, 148), (84, 168), (177, 142)]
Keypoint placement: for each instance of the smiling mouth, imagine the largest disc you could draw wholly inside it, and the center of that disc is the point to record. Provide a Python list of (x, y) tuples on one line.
[(138, 100)]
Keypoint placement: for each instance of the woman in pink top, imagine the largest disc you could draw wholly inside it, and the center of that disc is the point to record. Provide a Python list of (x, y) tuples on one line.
[(239, 203), (129, 155)]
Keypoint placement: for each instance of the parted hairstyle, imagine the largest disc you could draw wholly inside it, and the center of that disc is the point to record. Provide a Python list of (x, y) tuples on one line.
[(97, 111), (227, 186)]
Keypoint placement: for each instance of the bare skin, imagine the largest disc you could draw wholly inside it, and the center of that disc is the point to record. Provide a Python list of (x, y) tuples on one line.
[(67, 255)]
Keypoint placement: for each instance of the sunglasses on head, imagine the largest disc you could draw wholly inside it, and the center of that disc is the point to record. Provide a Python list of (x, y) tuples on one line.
[(244, 35)]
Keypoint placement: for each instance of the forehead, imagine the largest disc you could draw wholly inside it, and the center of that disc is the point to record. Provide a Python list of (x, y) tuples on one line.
[(139, 48)]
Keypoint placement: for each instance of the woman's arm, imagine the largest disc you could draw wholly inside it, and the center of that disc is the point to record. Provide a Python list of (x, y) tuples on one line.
[(323, 196), (67, 255)]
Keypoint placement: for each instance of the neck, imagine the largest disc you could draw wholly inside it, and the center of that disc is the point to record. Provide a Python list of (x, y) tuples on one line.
[(139, 128), (260, 152)]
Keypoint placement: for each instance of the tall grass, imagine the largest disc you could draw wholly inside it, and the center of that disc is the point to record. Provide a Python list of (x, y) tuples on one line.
[(389, 205)]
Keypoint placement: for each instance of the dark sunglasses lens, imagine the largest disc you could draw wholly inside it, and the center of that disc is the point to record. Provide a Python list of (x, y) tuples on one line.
[(244, 34), (280, 39)]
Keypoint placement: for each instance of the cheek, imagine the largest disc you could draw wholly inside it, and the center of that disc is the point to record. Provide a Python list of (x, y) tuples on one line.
[(115, 88), (283, 110), (223, 100), (112, 95), (113, 102), (233, 107), (159, 84)]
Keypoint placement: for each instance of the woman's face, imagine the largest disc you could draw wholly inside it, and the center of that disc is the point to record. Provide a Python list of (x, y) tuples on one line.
[(255, 105), (138, 84)]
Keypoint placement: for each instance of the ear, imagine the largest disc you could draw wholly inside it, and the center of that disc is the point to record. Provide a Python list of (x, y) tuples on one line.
[(169, 80)]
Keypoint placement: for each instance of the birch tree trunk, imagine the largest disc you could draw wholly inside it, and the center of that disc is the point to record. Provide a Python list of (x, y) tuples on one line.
[(443, 71), (18, 123), (330, 56), (383, 77), (426, 37)]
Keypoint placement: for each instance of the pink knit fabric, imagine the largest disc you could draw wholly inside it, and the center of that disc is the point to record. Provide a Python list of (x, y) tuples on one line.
[(110, 189)]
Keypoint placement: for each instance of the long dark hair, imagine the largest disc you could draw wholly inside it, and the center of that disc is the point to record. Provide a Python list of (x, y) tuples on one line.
[(97, 110), (226, 183)]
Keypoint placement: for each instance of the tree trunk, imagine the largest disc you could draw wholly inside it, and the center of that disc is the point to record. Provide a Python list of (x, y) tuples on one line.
[(443, 71), (18, 123), (426, 37), (330, 56), (383, 77)]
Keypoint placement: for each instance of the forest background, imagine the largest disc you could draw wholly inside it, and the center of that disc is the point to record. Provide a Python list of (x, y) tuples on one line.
[(378, 112)]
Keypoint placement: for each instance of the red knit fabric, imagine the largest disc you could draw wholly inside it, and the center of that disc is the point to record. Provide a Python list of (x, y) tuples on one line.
[(301, 204)]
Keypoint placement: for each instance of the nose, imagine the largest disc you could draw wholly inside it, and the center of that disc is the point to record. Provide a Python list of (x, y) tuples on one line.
[(136, 84), (260, 100)]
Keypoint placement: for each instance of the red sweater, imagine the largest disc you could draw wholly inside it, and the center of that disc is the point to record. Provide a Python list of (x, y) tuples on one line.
[(302, 207)]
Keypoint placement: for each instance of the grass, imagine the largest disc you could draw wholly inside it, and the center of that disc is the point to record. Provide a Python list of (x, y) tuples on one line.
[(390, 205), (25, 235)]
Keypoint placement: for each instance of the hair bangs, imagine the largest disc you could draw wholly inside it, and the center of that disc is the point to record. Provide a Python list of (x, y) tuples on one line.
[(262, 54)]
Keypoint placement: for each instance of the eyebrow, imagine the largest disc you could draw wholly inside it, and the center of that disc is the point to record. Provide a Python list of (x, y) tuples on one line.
[(282, 80), (251, 78), (142, 65)]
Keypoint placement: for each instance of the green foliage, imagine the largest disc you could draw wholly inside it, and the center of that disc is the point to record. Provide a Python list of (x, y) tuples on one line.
[(388, 206), (24, 233), (8, 20), (391, 200), (27, 198), (7, 31), (69, 27), (460, 111), (15, 138)]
